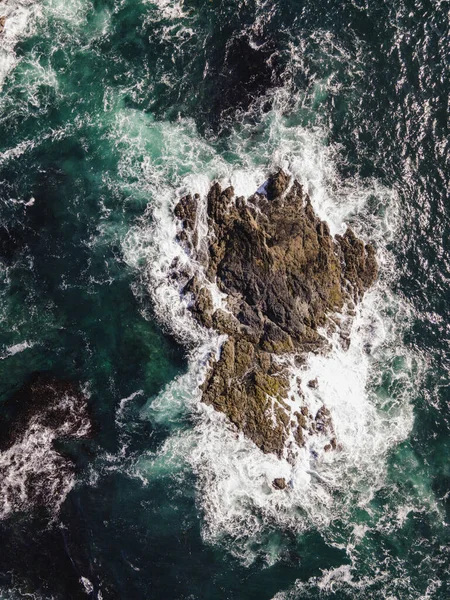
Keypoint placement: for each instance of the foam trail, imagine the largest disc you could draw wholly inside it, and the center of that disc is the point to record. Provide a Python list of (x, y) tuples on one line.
[(168, 9)]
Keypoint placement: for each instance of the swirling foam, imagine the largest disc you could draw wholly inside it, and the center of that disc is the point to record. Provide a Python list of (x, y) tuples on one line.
[(234, 477)]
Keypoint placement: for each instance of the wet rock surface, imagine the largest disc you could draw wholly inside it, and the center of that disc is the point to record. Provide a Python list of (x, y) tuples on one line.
[(279, 483), (2, 24), (284, 275)]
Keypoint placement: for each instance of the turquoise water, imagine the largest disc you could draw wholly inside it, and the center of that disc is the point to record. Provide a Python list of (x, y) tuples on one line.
[(108, 112)]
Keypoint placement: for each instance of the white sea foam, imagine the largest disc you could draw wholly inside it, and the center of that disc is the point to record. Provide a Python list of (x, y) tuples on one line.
[(331, 581), (383, 583), (15, 349), (19, 17), (168, 9), (123, 404), (87, 585), (17, 593), (32, 469)]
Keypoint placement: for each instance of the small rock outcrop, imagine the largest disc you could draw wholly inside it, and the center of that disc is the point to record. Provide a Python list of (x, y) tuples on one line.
[(279, 483), (313, 384), (283, 274), (2, 24)]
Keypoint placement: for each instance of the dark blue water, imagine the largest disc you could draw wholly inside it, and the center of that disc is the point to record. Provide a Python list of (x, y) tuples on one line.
[(108, 111)]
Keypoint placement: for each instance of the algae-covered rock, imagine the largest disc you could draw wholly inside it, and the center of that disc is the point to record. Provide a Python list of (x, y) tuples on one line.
[(283, 275)]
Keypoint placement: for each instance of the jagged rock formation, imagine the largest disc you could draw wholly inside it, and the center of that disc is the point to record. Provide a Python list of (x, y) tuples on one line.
[(283, 274)]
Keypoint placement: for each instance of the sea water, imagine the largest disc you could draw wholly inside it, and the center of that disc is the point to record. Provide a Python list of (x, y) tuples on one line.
[(109, 112)]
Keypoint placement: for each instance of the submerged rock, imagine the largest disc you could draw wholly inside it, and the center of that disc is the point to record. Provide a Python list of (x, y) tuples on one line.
[(283, 274), (33, 472)]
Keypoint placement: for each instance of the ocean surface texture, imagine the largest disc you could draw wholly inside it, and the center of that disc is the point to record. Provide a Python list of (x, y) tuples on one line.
[(132, 489)]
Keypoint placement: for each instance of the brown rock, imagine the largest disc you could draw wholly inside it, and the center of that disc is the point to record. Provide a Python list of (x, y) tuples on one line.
[(202, 308), (277, 184), (224, 322), (299, 436), (279, 483), (186, 212), (323, 421), (360, 265)]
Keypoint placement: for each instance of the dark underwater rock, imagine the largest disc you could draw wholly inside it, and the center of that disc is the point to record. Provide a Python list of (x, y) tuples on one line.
[(283, 274), (242, 73), (33, 472)]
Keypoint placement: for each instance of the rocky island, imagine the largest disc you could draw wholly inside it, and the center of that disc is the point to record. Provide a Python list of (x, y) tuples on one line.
[(284, 277)]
